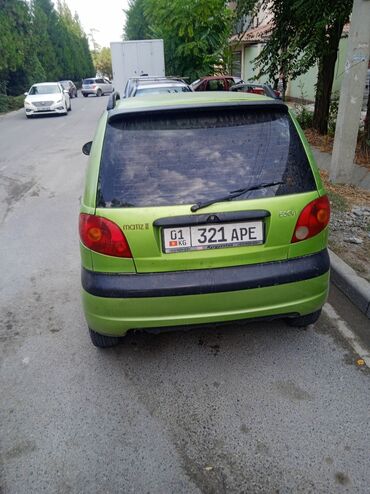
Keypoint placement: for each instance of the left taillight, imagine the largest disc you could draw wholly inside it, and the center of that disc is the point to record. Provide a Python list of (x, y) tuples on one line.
[(312, 220), (103, 236)]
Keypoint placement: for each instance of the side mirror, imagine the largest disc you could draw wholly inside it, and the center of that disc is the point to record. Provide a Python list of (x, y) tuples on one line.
[(26, 94), (86, 148)]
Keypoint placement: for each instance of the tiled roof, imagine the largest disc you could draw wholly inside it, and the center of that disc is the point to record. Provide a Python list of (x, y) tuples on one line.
[(257, 34), (262, 32)]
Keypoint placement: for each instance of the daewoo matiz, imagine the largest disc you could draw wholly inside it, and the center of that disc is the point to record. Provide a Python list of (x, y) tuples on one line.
[(200, 208)]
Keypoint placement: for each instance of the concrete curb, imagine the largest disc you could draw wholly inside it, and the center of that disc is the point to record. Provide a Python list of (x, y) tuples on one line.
[(350, 283)]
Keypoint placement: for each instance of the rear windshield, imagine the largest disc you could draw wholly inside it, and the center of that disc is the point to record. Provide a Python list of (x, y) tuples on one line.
[(184, 158), (162, 90)]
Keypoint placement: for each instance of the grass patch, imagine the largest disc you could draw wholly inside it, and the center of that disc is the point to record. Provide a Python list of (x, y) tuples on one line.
[(10, 103), (338, 202)]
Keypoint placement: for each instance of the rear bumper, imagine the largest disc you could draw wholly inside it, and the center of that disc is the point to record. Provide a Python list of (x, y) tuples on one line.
[(113, 304), (202, 281)]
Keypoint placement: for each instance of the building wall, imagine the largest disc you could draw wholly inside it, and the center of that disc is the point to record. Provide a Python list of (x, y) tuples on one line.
[(303, 85), (250, 53), (307, 81), (339, 68)]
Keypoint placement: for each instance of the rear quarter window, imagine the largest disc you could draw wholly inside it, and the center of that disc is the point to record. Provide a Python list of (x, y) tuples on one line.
[(185, 157)]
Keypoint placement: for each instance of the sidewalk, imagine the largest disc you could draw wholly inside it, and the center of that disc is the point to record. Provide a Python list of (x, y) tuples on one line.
[(361, 174), (356, 288)]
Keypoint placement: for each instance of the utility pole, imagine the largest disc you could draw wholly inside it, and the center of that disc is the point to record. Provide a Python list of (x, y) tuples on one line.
[(91, 36), (351, 94)]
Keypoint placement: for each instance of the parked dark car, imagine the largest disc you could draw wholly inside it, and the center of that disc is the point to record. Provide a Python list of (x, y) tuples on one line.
[(255, 88), (70, 87), (214, 83)]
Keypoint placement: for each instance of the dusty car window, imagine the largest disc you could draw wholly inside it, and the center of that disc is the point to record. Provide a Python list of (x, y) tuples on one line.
[(162, 90), (182, 158)]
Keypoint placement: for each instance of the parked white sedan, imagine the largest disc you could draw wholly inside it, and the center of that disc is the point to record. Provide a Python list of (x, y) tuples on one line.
[(47, 98)]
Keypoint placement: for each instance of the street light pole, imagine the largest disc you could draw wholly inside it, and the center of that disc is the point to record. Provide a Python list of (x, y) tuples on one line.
[(351, 94)]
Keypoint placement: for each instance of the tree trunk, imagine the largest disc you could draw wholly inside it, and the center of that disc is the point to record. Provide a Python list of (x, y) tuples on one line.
[(365, 139), (325, 78), (367, 120)]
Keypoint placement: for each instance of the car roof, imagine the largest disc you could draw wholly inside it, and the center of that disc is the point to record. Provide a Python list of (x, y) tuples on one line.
[(143, 78), (191, 100), (154, 84), (253, 83), (215, 77)]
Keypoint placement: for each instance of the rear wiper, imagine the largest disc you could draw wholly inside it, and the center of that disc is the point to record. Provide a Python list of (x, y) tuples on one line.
[(232, 194)]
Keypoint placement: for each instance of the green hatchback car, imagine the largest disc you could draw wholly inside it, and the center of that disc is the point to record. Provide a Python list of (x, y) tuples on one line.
[(200, 208)]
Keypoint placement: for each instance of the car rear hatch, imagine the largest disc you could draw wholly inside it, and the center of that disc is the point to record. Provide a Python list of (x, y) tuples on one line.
[(88, 84), (158, 168)]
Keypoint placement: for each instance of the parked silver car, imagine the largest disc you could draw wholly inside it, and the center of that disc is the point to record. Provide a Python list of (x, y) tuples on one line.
[(144, 85), (97, 86)]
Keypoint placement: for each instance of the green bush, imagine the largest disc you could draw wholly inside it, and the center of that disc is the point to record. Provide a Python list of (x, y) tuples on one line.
[(10, 103), (333, 114), (304, 117)]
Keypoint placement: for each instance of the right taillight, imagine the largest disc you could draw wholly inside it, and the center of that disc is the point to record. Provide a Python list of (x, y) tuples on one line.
[(103, 236), (312, 220)]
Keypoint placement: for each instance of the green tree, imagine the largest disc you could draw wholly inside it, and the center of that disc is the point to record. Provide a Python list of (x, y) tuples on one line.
[(103, 62), (304, 33), (15, 28), (137, 26), (38, 43), (44, 21), (71, 46), (195, 34)]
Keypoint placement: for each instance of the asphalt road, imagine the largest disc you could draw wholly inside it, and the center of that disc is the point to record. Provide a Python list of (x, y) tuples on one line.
[(246, 408)]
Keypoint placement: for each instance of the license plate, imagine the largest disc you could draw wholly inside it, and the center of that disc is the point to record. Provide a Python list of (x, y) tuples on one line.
[(43, 108), (215, 236)]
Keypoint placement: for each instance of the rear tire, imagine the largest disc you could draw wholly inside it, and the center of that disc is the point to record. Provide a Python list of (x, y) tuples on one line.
[(99, 93), (304, 321), (103, 341), (85, 95)]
